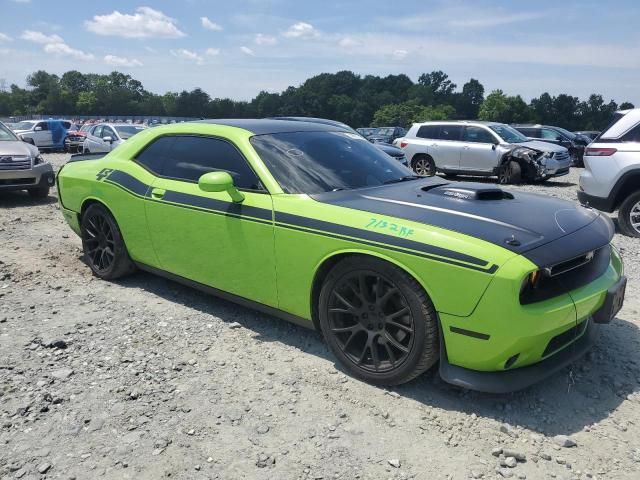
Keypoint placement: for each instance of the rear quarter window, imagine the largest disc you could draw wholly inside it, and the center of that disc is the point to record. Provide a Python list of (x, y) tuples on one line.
[(429, 131)]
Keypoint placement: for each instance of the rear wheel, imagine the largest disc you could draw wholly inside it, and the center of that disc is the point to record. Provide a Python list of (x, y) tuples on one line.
[(424, 165), (378, 321), (510, 173), (104, 248), (629, 215)]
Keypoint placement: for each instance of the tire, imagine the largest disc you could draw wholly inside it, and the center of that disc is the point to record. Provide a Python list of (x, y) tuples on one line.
[(103, 245), (510, 173), (359, 312), (629, 215), (423, 165), (40, 192)]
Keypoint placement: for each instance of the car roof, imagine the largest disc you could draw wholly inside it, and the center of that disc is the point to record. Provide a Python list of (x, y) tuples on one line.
[(265, 126), (459, 122)]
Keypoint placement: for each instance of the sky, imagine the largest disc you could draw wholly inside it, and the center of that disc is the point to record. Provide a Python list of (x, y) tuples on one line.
[(236, 48)]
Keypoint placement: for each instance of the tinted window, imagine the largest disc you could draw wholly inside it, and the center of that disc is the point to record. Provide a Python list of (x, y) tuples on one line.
[(108, 132), (478, 135), (633, 135), (450, 132), (189, 157), (67, 125), (429, 131), (43, 125), (529, 132), (316, 162)]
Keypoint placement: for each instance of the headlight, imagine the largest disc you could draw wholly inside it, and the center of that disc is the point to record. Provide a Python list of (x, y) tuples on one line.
[(548, 155), (38, 160)]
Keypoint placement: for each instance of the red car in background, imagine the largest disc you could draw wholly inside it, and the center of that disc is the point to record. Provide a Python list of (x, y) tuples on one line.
[(75, 138)]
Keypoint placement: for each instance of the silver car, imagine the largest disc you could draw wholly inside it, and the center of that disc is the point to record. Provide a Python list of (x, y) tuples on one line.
[(41, 133), (22, 167), (104, 137), (482, 149)]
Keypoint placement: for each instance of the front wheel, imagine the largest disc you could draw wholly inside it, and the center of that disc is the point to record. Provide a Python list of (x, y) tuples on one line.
[(102, 243), (378, 321), (510, 173), (629, 215)]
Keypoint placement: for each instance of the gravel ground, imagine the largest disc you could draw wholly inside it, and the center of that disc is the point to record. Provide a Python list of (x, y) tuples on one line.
[(146, 379)]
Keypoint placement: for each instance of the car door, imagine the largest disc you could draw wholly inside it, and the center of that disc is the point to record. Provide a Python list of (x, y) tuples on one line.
[(109, 133), (42, 135), (94, 139), (204, 236), (479, 152), (448, 148)]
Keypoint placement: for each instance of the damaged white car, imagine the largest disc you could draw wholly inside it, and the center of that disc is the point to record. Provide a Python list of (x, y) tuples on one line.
[(482, 149)]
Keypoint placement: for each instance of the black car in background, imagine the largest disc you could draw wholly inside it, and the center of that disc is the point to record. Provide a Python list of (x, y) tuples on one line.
[(548, 133), (590, 134), (386, 134)]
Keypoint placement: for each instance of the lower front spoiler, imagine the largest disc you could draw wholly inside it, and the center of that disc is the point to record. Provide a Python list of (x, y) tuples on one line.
[(47, 179), (512, 380)]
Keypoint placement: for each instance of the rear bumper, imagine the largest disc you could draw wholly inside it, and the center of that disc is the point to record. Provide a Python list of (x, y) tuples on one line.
[(39, 176), (604, 204), (512, 380)]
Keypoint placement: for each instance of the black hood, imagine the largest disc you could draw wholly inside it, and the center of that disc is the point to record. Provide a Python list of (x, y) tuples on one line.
[(389, 149), (520, 222)]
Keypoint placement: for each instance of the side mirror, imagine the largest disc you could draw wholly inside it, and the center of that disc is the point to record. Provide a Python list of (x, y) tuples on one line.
[(560, 139), (220, 182), (37, 129), (107, 139)]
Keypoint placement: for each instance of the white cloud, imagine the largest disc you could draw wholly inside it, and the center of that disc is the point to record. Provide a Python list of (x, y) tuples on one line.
[(22, 1), (301, 30), (212, 52), (188, 55), (399, 54), (5, 38), (121, 61), (265, 39), (209, 25), (145, 23), (39, 37), (348, 42), (64, 50), (247, 51), (493, 20)]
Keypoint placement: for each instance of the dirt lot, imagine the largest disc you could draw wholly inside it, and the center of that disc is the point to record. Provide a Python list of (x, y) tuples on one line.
[(146, 379)]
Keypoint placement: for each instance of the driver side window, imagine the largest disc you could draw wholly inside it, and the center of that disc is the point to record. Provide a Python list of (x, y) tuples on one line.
[(548, 134), (478, 135), (108, 132), (97, 131), (43, 125)]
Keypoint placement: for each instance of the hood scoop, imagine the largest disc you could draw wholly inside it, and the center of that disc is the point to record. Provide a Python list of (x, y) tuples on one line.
[(466, 193)]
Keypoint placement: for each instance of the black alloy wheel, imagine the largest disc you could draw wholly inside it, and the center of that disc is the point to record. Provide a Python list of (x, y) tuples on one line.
[(104, 248), (378, 321), (371, 321)]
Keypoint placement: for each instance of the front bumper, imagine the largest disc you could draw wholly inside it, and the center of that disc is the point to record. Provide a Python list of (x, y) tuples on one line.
[(556, 168), (519, 378), (39, 176)]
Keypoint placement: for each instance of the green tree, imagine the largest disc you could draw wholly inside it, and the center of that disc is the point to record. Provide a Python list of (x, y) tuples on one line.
[(498, 107)]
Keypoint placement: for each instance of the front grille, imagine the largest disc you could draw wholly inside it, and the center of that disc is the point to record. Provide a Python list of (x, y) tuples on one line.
[(565, 338), (14, 163), (561, 156), (568, 275)]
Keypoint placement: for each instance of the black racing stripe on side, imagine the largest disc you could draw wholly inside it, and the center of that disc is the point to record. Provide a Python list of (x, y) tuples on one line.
[(389, 247), (228, 208), (470, 333), (213, 212), (129, 182), (123, 188), (376, 237)]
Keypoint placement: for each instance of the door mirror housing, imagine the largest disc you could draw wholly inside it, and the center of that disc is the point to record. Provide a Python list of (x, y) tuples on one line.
[(220, 182), (37, 129), (107, 139)]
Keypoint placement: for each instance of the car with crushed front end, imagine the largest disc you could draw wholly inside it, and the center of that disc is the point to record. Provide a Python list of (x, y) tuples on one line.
[(22, 167), (314, 224), (481, 149)]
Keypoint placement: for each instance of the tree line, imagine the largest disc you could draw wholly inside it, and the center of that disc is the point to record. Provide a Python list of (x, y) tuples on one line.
[(354, 99)]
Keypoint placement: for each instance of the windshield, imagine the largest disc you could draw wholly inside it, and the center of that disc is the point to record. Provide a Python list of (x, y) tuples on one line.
[(128, 131), (23, 126), (316, 162), (508, 134), (7, 135), (383, 131)]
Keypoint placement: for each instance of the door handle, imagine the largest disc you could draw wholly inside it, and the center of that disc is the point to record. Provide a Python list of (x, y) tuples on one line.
[(158, 192)]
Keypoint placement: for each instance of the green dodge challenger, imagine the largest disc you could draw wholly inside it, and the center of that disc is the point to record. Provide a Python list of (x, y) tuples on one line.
[(312, 223)]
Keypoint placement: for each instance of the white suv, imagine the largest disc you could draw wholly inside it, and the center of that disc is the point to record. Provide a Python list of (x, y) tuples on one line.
[(481, 148), (611, 178)]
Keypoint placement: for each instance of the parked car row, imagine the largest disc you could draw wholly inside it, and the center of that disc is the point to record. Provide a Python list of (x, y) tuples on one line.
[(573, 142)]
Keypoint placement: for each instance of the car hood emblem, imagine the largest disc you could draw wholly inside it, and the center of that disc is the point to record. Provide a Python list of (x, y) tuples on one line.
[(6, 159)]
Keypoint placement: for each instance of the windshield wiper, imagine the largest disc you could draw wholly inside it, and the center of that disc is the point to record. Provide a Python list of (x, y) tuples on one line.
[(406, 178)]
